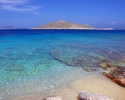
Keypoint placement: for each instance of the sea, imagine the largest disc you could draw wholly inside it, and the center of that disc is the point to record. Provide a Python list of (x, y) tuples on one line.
[(39, 61)]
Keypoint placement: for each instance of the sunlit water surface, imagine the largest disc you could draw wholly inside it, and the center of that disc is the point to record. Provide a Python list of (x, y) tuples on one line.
[(41, 60)]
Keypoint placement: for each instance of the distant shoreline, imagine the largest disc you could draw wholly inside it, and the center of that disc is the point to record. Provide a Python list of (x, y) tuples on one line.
[(72, 29), (98, 29)]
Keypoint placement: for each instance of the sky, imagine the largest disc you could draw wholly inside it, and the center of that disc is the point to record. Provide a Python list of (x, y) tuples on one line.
[(32, 13)]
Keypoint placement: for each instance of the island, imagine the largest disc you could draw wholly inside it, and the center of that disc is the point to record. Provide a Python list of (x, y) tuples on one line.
[(8, 27), (64, 25), (68, 25)]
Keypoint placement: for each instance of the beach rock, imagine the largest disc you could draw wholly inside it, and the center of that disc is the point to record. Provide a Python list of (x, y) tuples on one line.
[(117, 75), (89, 96), (54, 98)]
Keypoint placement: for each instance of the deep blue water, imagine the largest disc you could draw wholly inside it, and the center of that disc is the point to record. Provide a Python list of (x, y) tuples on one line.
[(40, 60)]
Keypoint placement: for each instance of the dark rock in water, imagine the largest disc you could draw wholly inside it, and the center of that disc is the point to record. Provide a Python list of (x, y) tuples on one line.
[(102, 59), (15, 70), (12, 67), (38, 50), (117, 75), (89, 96), (78, 61), (75, 58), (123, 59), (113, 55), (88, 69)]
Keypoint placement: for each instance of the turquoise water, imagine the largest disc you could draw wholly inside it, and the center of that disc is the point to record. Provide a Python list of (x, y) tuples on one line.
[(43, 60)]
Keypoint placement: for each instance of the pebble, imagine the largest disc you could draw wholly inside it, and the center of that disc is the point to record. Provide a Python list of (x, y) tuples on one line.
[(90, 96), (51, 86), (54, 98)]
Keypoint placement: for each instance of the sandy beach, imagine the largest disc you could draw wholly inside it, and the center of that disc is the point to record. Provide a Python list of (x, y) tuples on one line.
[(96, 83)]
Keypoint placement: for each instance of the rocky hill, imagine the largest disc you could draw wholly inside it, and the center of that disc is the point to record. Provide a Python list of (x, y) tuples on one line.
[(64, 25)]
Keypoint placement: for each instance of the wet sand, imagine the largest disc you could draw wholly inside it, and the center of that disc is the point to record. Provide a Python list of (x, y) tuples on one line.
[(94, 83)]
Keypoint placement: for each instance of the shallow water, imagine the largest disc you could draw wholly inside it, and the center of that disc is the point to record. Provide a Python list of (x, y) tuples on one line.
[(42, 60)]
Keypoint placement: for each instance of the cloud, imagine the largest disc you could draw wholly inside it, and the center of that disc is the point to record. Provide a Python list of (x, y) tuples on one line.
[(19, 9), (14, 2), (18, 5), (117, 23)]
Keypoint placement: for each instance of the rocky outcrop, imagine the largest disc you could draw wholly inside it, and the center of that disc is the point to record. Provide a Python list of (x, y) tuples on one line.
[(115, 73), (89, 96)]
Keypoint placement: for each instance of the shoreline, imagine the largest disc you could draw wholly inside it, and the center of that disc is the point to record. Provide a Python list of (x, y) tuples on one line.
[(63, 29), (96, 83), (72, 29)]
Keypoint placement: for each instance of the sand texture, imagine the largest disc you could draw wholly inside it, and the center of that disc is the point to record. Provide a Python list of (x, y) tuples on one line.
[(97, 84)]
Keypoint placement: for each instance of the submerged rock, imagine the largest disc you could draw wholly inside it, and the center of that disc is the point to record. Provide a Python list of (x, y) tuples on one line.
[(107, 66), (76, 58), (102, 59), (123, 59), (54, 98), (89, 96), (88, 69)]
